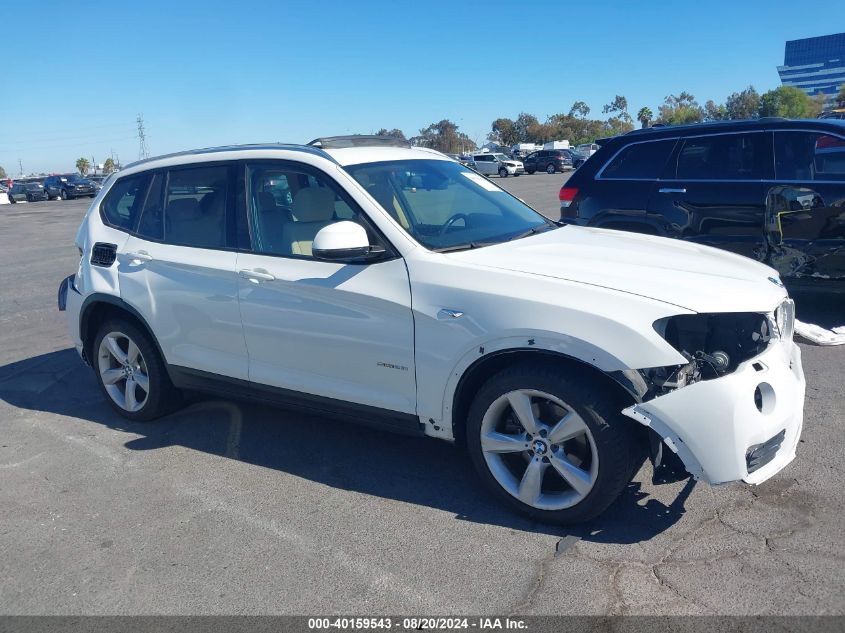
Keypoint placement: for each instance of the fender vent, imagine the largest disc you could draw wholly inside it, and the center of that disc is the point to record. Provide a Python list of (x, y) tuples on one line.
[(103, 254)]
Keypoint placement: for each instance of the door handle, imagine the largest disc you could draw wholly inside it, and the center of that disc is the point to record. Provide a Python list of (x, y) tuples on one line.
[(672, 190), (445, 314), (139, 257), (256, 276)]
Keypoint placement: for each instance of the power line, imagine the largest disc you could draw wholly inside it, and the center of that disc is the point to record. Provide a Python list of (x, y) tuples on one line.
[(143, 152)]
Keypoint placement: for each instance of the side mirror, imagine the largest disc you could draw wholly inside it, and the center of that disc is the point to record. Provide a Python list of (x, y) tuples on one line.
[(344, 241)]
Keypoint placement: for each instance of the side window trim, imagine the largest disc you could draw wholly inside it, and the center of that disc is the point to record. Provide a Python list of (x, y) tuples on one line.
[(314, 172)]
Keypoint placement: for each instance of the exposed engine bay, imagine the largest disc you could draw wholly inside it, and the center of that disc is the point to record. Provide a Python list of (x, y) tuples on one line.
[(714, 345)]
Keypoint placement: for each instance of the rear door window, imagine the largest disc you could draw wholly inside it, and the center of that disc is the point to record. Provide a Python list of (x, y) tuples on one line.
[(725, 157), (195, 207), (807, 156), (640, 161)]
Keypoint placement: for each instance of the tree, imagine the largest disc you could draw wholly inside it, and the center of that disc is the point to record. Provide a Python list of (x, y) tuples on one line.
[(503, 131), (644, 116), (839, 100), (618, 106), (108, 166), (3, 173), (713, 112), (787, 101), (444, 137), (394, 133), (819, 104), (743, 105), (579, 109), (83, 165), (680, 109), (529, 129)]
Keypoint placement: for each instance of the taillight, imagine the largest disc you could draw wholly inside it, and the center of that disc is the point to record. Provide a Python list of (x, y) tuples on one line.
[(567, 195)]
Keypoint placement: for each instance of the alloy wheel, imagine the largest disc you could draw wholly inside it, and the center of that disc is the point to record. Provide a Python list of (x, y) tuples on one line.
[(123, 371), (539, 449)]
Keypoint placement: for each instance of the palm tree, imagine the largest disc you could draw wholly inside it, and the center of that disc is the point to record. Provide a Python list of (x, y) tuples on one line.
[(644, 116), (83, 165)]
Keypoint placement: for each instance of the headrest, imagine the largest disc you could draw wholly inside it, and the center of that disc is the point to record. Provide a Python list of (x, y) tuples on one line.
[(313, 204), (183, 209)]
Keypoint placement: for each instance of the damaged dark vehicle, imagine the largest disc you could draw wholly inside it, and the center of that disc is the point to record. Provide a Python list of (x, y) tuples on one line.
[(769, 189)]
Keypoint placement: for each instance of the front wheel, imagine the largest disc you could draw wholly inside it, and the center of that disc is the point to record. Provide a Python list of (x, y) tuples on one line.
[(63, 195), (503, 173), (131, 372), (550, 444), (550, 169)]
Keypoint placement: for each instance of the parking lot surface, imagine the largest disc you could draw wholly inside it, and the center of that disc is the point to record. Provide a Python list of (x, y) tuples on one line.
[(235, 508)]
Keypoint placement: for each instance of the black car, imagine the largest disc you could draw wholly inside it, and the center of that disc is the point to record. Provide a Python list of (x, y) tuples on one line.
[(548, 160), (29, 191), (69, 186), (770, 189)]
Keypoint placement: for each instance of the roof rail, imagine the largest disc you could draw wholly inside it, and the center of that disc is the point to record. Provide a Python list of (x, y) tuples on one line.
[(358, 140), (234, 148)]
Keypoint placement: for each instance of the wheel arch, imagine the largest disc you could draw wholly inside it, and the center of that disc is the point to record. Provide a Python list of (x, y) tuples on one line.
[(628, 387), (99, 307)]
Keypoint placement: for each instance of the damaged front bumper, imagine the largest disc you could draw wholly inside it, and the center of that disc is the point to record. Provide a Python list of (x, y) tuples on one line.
[(744, 425)]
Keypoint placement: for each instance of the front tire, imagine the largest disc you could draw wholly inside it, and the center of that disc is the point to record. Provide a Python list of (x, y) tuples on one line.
[(503, 173), (550, 444), (63, 195), (131, 372), (550, 169)]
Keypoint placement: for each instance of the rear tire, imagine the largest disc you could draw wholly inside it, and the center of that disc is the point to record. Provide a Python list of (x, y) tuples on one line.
[(570, 480), (131, 373), (530, 172)]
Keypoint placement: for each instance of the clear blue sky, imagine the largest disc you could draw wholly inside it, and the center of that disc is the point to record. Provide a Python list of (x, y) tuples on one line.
[(207, 73)]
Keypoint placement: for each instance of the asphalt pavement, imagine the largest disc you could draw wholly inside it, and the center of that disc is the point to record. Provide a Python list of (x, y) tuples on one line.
[(237, 508)]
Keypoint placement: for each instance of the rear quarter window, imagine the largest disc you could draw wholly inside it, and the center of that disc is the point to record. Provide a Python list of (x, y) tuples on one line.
[(640, 160), (122, 204)]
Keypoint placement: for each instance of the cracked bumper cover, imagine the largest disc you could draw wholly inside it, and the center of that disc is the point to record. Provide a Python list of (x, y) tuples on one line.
[(712, 424)]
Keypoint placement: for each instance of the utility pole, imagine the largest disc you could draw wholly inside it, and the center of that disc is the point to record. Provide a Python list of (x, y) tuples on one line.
[(20, 166), (143, 152)]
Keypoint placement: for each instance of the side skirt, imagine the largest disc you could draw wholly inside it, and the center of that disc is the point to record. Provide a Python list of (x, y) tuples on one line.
[(237, 389)]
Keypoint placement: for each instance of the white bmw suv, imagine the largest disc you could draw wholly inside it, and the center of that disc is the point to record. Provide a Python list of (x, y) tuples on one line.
[(392, 286)]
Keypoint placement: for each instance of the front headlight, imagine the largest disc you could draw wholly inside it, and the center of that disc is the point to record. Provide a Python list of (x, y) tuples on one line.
[(717, 343)]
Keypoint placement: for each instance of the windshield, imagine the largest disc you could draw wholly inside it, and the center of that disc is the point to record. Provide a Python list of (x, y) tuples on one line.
[(75, 178), (501, 157), (445, 206)]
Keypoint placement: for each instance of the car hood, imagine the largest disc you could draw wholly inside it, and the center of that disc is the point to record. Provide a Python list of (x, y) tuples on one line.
[(684, 274)]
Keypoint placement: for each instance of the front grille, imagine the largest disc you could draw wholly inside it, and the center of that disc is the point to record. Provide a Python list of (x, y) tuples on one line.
[(759, 455)]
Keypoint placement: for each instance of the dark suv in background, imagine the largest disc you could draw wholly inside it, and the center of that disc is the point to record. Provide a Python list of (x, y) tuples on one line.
[(68, 186), (770, 189), (548, 160)]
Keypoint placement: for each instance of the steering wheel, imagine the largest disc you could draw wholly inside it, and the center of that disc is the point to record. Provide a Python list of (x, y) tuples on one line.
[(452, 220)]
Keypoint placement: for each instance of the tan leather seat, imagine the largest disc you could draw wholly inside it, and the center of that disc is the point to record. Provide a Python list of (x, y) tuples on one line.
[(187, 224), (313, 208)]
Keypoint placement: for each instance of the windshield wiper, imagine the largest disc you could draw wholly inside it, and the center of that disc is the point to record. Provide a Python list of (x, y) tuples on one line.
[(532, 231), (462, 247)]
